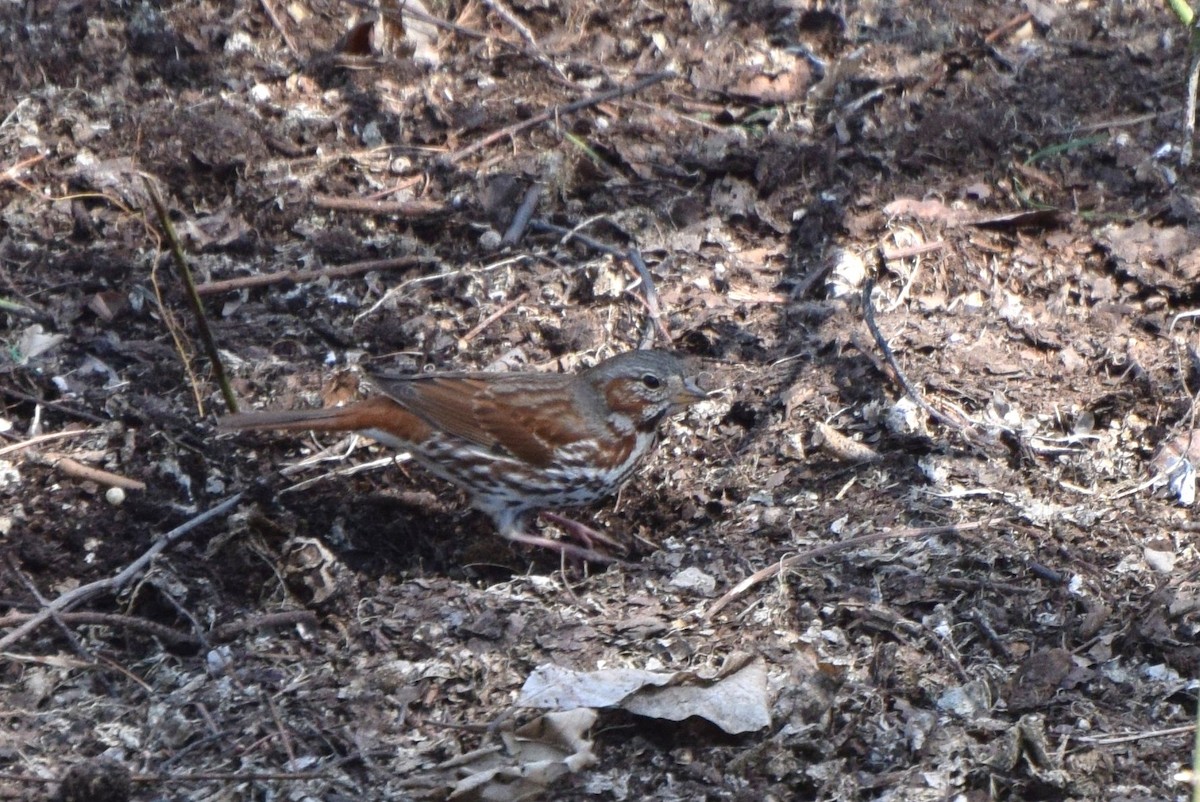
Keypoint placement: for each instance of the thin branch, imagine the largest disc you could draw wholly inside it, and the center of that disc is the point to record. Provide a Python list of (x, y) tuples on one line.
[(415, 208), (82, 593), (298, 276), (75, 468), (465, 340), (43, 438), (778, 568), (520, 221), (17, 310), (632, 257), (278, 23), (173, 637), (185, 274), (554, 113), (868, 309)]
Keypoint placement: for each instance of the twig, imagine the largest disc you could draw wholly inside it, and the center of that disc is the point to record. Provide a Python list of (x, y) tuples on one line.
[(279, 726), (82, 593), (1004, 30), (78, 470), (1189, 114), (403, 286), (901, 377), (66, 409), (287, 37), (632, 257), (338, 271), (185, 273), (569, 234), (169, 636), (438, 22), (173, 637), (554, 113), (502, 11), (775, 569), (227, 776), (650, 294), (17, 310), (891, 621), (10, 173), (414, 208), (524, 213), (1106, 740), (465, 340), (56, 617), (227, 632), (416, 13), (534, 50), (896, 254), (42, 438)]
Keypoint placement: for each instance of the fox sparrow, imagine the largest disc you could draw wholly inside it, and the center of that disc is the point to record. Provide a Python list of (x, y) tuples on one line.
[(517, 443)]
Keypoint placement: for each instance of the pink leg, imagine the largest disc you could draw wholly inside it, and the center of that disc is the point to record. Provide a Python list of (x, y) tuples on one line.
[(566, 549), (582, 532)]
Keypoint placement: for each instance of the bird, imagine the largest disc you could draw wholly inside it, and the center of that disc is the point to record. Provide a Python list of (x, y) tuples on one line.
[(519, 443)]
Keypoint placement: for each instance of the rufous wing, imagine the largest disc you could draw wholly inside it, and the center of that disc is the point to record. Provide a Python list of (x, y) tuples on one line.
[(528, 417)]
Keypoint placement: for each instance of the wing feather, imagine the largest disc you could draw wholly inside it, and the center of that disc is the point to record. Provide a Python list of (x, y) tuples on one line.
[(493, 411)]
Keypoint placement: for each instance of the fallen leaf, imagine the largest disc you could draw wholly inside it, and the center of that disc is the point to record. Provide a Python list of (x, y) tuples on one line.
[(734, 699)]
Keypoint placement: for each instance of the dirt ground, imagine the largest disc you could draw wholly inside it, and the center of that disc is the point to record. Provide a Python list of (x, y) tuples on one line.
[(978, 595)]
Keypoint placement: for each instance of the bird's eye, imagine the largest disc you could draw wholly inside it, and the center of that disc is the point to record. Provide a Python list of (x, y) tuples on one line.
[(652, 381)]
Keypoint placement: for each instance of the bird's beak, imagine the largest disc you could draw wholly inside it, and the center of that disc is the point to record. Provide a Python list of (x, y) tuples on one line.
[(688, 394)]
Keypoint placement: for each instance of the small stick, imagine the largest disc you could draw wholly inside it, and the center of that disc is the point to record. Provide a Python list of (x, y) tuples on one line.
[(287, 37), (554, 113), (520, 221), (42, 438), (189, 284), (438, 22), (227, 776), (1189, 114), (400, 208), (1108, 740), (227, 632), (66, 409), (534, 50), (893, 255), (57, 618), (634, 257), (901, 377), (416, 13), (84, 592), (127, 622), (279, 727), (569, 234), (221, 634), (17, 310), (464, 340), (10, 173), (502, 11), (1007, 28), (775, 569), (78, 470), (338, 271), (400, 185)]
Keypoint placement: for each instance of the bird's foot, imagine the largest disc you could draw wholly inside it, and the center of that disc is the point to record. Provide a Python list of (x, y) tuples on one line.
[(583, 554), (582, 532)]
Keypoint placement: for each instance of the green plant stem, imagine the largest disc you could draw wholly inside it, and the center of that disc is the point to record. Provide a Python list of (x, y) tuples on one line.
[(1182, 10)]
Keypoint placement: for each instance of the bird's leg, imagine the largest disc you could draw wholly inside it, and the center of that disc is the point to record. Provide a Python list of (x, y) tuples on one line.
[(518, 535), (582, 532)]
